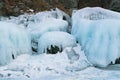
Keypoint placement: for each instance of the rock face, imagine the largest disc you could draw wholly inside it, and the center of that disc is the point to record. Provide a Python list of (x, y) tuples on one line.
[(115, 5), (17, 7)]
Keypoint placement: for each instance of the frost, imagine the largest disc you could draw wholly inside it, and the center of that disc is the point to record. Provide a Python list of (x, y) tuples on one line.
[(14, 40), (99, 34), (55, 38)]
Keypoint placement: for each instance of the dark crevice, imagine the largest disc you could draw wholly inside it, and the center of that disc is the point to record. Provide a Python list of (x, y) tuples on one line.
[(117, 61), (13, 57), (54, 50)]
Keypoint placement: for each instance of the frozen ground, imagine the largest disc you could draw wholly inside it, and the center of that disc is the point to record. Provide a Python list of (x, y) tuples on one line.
[(56, 67)]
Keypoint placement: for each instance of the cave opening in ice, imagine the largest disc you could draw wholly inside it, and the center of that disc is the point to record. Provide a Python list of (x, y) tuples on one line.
[(52, 42), (98, 32), (54, 49)]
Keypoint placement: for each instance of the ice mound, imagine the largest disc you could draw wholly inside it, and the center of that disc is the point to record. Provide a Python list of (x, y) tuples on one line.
[(55, 38), (98, 32), (47, 25), (14, 40)]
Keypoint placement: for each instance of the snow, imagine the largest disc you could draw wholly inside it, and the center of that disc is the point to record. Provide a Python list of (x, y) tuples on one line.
[(56, 67), (55, 38), (98, 34), (14, 40), (39, 66)]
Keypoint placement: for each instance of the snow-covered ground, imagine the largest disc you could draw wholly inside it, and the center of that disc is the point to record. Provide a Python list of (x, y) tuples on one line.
[(56, 67)]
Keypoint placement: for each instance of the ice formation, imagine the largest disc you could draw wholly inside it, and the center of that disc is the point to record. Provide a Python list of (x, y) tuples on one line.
[(98, 32), (47, 25), (55, 38), (41, 22), (95, 13), (14, 40), (44, 65), (28, 20)]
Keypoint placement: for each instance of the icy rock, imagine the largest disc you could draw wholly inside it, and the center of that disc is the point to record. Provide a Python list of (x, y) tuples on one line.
[(98, 34), (55, 38), (14, 40)]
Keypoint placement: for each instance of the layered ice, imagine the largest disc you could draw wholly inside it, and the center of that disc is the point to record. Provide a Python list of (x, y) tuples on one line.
[(98, 32), (14, 40), (55, 38)]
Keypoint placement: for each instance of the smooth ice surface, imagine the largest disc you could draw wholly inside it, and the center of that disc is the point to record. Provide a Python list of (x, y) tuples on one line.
[(14, 40), (55, 38), (99, 34)]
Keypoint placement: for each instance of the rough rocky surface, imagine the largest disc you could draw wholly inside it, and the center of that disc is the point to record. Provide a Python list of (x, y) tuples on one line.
[(115, 5), (17, 7)]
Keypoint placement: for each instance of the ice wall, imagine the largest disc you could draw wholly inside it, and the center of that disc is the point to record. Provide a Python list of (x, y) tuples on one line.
[(14, 40), (98, 32)]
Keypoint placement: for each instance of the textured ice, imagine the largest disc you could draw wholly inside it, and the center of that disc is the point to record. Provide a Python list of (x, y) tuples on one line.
[(99, 34), (95, 13), (28, 20), (47, 25), (14, 40), (43, 65), (55, 38)]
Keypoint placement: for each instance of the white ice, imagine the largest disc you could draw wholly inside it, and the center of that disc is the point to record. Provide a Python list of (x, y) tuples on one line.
[(55, 38), (47, 25), (14, 40), (98, 32)]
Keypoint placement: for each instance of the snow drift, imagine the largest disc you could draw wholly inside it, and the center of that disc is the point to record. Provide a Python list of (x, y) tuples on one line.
[(14, 40), (45, 65), (55, 38), (98, 32)]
